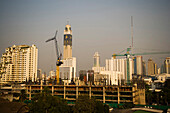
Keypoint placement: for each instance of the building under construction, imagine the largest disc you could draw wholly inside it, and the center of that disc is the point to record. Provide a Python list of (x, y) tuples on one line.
[(106, 94)]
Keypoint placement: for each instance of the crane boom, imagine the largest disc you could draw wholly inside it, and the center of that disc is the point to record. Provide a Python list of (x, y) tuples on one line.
[(58, 55)]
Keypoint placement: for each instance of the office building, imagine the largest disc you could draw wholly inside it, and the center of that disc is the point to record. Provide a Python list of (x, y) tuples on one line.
[(139, 65), (152, 67), (167, 65), (19, 64), (96, 65), (144, 67)]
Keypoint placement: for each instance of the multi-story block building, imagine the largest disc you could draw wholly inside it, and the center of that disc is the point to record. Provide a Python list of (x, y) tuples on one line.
[(118, 70), (152, 67), (96, 66), (19, 64), (138, 65), (167, 65)]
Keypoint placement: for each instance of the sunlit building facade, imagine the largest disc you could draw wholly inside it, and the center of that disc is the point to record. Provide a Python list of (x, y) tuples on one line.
[(19, 64)]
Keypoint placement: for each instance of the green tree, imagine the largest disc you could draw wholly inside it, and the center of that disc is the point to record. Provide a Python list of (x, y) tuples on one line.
[(148, 94), (86, 105), (165, 93), (22, 96), (46, 103)]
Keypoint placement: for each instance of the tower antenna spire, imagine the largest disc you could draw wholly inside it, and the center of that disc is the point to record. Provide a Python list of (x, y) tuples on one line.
[(132, 29), (67, 21)]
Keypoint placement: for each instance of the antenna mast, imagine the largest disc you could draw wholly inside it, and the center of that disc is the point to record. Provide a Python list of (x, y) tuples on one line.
[(132, 29), (67, 21)]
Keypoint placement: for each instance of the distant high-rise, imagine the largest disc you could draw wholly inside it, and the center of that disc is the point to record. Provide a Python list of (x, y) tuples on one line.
[(144, 67), (96, 65), (167, 65), (39, 74), (68, 68), (67, 42), (19, 63), (96, 60), (139, 64), (152, 67)]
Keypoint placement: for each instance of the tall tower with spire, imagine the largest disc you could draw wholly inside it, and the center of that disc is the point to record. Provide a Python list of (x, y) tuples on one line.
[(67, 42)]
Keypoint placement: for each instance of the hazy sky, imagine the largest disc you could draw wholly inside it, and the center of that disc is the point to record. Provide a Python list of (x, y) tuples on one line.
[(97, 25)]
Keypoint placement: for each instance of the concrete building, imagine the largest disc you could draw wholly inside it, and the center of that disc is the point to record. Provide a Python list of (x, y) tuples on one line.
[(118, 70), (90, 77), (67, 42), (39, 74), (139, 65), (68, 68), (83, 75), (144, 67), (167, 65), (52, 74), (19, 64), (106, 94), (152, 67), (96, 65)]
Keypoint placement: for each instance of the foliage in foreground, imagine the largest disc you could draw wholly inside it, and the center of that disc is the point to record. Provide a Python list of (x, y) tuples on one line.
[(86, 105), (46, 103)]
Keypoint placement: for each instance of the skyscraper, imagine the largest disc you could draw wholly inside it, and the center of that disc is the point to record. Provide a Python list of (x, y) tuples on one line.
[(19, 63), (68, 68), (167, 65), (139, 65), (67, 42), (152, 67), (96, 65), (96, 60)]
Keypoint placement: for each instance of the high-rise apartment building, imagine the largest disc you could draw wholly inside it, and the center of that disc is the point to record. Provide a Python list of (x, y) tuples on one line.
[(67, 42), (152, 67), (19, 63), (139, 65), (117, 70), (144, 67)]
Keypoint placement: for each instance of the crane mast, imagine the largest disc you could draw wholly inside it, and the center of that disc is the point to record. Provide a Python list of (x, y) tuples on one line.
[(58, 55), (128, 55)]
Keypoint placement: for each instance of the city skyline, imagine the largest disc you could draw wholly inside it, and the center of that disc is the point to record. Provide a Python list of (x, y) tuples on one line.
[(102, 26)]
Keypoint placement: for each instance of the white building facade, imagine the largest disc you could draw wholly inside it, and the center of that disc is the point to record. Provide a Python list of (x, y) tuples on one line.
[(117, 70), (19, 64), (96, 65), (68, 68)]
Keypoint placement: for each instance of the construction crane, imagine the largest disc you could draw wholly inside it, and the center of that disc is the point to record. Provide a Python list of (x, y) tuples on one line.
[(128, 54), (58, 55)]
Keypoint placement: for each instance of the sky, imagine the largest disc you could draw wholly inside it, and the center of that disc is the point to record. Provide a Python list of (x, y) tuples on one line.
[(102, 26)]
